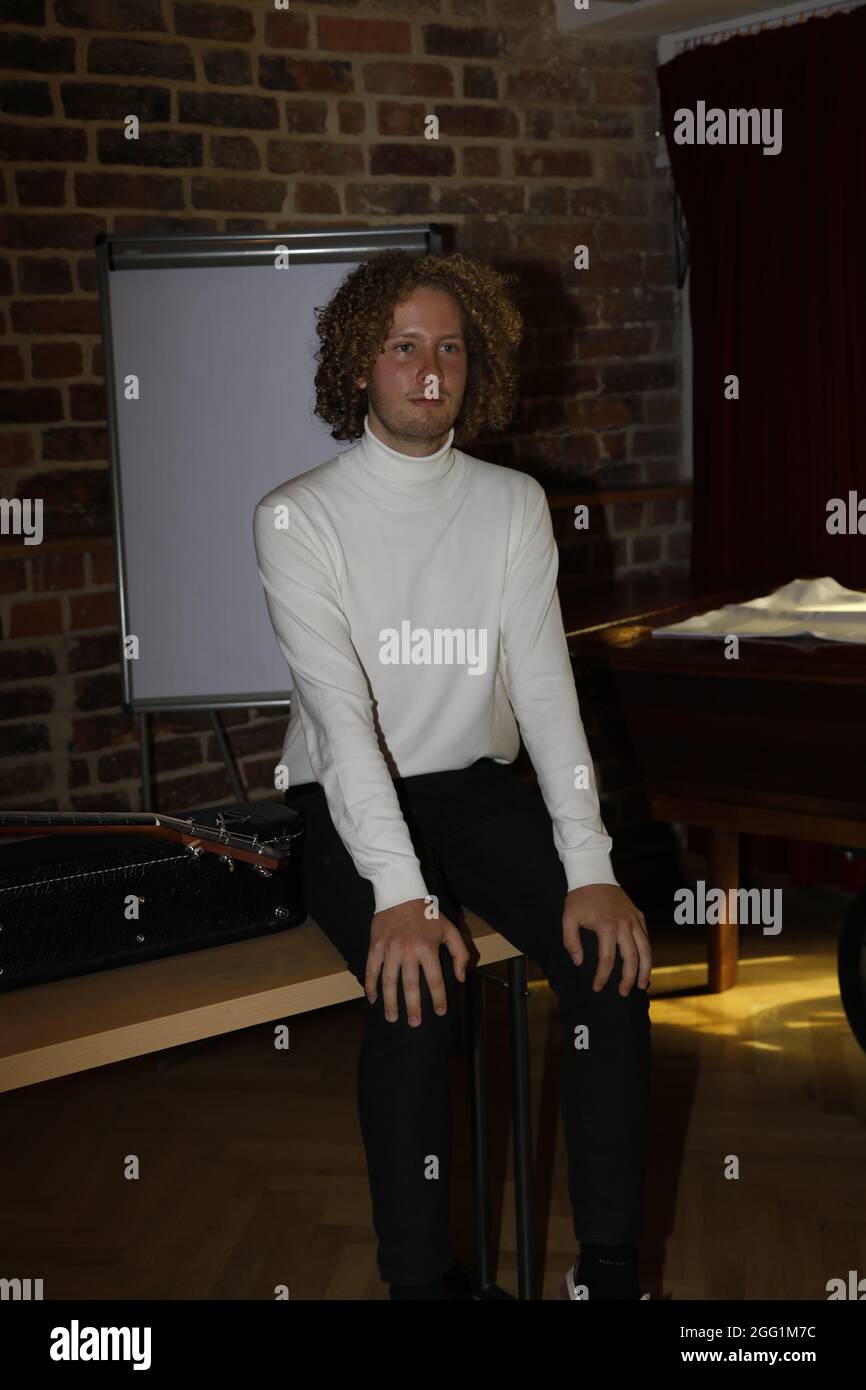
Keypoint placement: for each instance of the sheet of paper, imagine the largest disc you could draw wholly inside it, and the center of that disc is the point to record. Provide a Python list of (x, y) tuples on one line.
[(804, 608)]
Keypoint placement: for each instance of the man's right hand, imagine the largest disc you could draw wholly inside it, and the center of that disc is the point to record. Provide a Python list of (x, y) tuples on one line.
[(402, 938)]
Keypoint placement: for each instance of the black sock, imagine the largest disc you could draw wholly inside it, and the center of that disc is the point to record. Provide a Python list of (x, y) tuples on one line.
[(608, 1271)]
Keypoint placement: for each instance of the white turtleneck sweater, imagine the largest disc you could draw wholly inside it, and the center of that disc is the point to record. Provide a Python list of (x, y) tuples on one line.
[(456, 557)]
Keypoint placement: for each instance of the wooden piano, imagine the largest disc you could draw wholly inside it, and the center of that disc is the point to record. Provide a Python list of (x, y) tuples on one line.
[(771, 743)]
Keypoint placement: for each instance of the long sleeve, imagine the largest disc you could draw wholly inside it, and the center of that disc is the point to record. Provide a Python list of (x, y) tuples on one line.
[(542, 693), (336, 710)]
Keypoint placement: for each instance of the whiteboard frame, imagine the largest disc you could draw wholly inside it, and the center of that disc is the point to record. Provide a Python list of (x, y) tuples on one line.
[(116, 252)]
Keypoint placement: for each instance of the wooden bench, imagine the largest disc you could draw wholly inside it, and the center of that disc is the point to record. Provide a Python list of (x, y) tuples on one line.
[(71, 1025)]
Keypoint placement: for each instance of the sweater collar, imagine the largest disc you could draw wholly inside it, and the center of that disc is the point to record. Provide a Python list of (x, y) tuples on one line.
[(390, 466)]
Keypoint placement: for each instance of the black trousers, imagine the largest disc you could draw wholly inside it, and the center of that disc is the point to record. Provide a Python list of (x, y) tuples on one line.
[(484, 840)]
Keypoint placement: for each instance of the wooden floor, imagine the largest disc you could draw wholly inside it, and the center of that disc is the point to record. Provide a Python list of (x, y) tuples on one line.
[(252, 1170)]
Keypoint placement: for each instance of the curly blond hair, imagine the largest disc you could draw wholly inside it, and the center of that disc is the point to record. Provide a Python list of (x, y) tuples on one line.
[(354, 326)]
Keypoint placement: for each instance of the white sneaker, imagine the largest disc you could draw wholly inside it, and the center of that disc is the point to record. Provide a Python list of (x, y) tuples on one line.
[(567, 1288)]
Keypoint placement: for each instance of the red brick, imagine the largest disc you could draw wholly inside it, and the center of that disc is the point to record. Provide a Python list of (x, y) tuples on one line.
[(26, 98), (11, 364), (109, 101), (141, 58), (16, 448), (120, 766), (56, 316), (74, 445), (101, 801), (16, 739), (409, 79), (25, 700), (170, 755), (309, 117), (13, 576), (570, 85), (413, 161), (471, 199), (58, 572), (103, 565), (451, 41), (59, 144), (128, 191), (286, 30), (38, 618), (203, 19), (364, 36), (103, 731), (239, 111), (655, 442), (264, 736), (663, 511), (234, 152), (87, 279), (477, 121), (639, 376), (93, 651), (93, 610), (78, 773), (167, 148), (401, 118), (602, 412), (71, 231), (314, 157), (262, 195), (303, 75), (645, 549), (596, 343), (593, 124), (316, 197), (44, 275), (622, 87), (634, 165), (26, 777), (138, 16), (29, 53), (227, 67), (662, 410), (198, 789), (480, 83), (97, 692), (481, 161), (390, 199), (45, 188), (184, 225), (32, 405), (87, 402), (352, 117), (555, 164)]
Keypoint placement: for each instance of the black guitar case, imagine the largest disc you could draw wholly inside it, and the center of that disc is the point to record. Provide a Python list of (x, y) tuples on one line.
[(73, 904)]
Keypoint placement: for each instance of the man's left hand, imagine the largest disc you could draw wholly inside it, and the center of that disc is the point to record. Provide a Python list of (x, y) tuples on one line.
[(608, 911)]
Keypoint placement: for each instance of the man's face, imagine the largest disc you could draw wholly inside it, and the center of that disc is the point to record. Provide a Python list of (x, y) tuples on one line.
[(425, 340)]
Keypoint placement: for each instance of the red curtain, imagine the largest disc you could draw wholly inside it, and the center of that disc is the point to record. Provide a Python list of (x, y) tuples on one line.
[(777, 254)]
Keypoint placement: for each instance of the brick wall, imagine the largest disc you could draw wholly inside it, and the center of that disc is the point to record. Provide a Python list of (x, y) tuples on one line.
[(259, 119)]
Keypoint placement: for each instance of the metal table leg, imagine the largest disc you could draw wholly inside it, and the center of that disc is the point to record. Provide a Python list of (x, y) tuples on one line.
[(482, 1277)]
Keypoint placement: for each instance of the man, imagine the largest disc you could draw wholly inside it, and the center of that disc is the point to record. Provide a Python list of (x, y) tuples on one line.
[(412, 589)]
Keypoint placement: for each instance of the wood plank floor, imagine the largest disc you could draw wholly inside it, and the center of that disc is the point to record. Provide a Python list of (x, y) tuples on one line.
[(252, 1170)]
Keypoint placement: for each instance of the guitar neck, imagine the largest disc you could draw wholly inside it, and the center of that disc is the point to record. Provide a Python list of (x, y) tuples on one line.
[(228, 842), (84, 820)]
